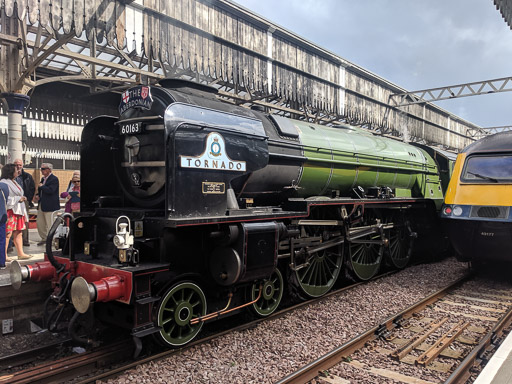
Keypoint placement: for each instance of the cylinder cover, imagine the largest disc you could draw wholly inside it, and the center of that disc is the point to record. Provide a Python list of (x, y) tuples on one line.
[(225, 266)]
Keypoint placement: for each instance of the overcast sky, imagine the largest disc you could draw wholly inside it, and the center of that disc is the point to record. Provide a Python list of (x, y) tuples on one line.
[(415, 44)]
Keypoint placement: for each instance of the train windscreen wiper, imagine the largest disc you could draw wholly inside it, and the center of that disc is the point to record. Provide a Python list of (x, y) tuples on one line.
[(483, 177)]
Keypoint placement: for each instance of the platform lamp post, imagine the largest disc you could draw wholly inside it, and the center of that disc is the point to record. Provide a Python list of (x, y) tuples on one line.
[(17, 103)]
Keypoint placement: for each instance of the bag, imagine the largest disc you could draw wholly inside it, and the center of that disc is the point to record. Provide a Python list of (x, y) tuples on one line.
[(74, 200), (75, 207), (17, 209)]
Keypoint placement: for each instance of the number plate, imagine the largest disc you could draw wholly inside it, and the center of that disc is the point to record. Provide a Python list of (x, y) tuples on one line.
[(130, 128)]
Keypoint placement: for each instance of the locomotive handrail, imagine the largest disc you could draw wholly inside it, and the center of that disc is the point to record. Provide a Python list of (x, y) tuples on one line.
[(202, 126), (143, 164), (287, 157), (142, 118), (178, 113), (390, 166), (49, 239), (335, 152)]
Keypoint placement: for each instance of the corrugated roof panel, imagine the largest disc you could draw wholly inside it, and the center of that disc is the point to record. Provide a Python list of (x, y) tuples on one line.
[(505, 8)]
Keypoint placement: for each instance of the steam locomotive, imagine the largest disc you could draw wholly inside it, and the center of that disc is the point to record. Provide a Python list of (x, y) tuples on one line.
[(193, 208)]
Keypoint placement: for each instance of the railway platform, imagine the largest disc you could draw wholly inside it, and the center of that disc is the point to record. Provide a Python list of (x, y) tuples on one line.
[(499, 369), (37, 251)]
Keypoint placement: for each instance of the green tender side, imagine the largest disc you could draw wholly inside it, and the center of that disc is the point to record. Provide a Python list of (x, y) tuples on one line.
[(428, 182), (339, 159)]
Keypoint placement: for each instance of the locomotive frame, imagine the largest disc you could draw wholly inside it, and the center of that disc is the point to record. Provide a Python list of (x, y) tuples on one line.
[(215, 208)]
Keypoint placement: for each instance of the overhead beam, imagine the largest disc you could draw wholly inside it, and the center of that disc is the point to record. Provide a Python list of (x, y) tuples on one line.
[(71, 78), (44, 55), (451, 92), (80, 57), (479, 133), (85, 70)]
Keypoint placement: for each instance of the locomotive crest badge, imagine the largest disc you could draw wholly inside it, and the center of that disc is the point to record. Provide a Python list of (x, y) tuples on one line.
[(136, 97), (215, 148), (214, 157)]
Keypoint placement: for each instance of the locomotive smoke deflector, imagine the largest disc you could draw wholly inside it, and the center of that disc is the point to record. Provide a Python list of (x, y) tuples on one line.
[(207, 150)]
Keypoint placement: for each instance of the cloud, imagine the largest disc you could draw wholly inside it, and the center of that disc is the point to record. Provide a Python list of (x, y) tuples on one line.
[(415, 44)]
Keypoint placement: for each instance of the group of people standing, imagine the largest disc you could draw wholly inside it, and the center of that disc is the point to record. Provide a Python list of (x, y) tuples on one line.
[(18, 191)]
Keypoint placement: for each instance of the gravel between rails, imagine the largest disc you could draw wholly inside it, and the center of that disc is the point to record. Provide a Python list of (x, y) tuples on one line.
[(17, 343), (276, 348)]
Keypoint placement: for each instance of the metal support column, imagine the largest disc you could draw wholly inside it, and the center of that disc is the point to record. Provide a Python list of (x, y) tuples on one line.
[(17, 104)]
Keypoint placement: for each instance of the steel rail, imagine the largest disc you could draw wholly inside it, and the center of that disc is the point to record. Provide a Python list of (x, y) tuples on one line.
[(115, 372), (337, 355), (19, 358), (68, 367), (462, 372), (73, 366)]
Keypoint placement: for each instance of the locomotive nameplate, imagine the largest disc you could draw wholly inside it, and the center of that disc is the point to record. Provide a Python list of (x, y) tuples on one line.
[(214, 157), (136, 97), (212, 187), (130, 128)]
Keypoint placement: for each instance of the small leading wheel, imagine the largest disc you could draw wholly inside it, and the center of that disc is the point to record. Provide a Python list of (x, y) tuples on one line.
[(365, 258), (319, 272), (271, 295), (400, 245), (180, 304)]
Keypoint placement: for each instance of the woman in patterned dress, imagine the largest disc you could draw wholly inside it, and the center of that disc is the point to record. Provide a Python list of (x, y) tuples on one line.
[(17, 216)]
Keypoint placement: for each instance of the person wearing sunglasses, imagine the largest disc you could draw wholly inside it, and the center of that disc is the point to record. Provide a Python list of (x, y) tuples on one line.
[(72, 195), (47, 197), (71, 185)]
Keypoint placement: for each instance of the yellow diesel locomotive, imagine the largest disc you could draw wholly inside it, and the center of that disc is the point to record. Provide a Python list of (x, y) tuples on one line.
[(477, 210)]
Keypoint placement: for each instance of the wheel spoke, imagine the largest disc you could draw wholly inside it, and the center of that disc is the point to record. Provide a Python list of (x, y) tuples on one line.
[(332, 263), (318, 272), (323, 270), (358, 254), (308, 274), (166, 321), (195, 303), (314, 271)]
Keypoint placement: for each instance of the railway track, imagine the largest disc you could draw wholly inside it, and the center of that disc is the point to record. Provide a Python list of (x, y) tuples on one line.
[(81, 365), (69, 367), (437, 334), (405, 335), (30, 356)]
